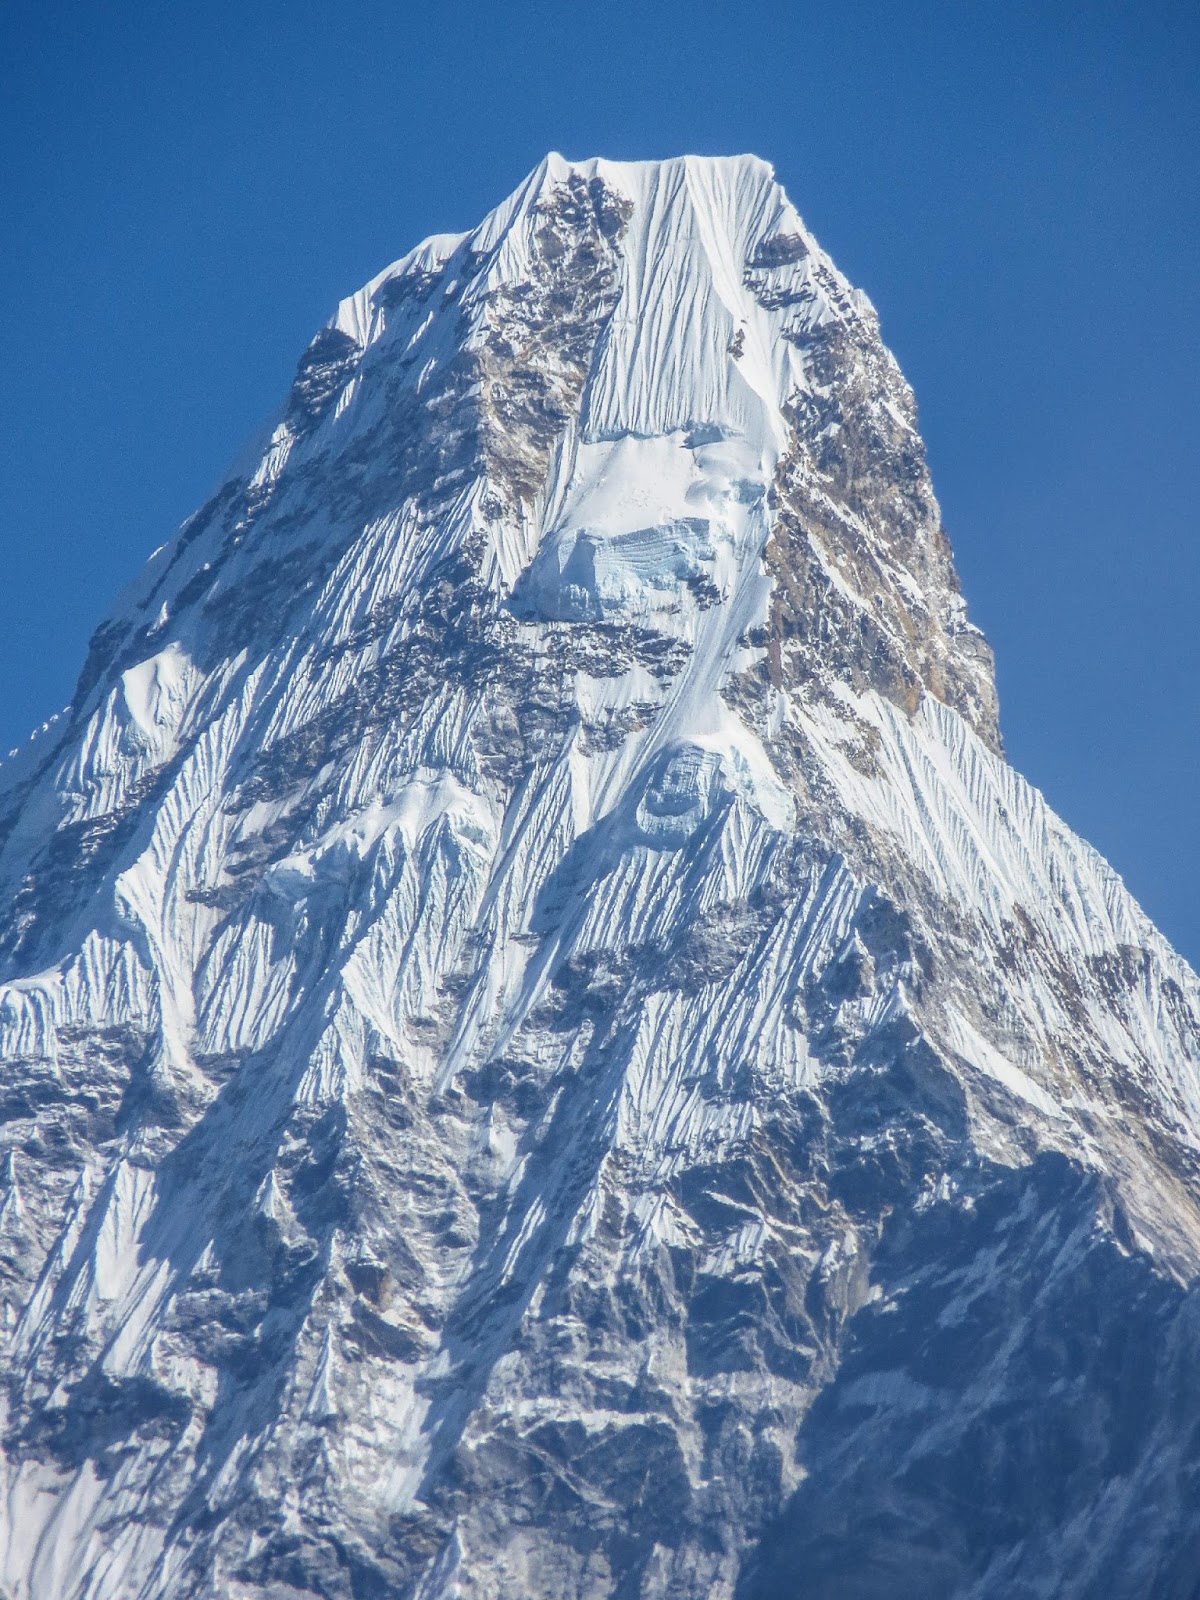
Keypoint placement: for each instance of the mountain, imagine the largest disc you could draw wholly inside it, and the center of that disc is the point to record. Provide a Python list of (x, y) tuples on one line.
[(546, 1053)]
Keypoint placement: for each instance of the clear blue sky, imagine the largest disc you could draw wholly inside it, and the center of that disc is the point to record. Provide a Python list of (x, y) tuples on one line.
[(186, 191)]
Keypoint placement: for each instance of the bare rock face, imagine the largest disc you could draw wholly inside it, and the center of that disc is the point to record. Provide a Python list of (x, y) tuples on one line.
[(545, 1051)]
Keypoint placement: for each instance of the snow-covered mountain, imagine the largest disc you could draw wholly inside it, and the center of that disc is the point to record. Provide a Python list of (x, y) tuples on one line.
[(544, 1051)]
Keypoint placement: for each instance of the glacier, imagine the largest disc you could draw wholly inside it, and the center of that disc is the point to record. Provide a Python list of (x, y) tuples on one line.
[(545, 1050)]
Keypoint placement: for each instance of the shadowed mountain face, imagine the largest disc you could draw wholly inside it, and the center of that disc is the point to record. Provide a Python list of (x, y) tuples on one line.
[(543, 1050)]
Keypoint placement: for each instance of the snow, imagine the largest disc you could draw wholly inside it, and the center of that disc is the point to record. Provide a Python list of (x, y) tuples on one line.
[(982, 1055)]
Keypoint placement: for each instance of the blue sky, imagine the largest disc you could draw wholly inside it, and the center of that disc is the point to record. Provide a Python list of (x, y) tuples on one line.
[(186, 191)]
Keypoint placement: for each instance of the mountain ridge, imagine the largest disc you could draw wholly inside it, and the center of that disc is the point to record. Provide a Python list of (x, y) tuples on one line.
[(528, 989)]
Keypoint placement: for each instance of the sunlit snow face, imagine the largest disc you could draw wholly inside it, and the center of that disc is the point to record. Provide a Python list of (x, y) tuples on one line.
[(644, 520)]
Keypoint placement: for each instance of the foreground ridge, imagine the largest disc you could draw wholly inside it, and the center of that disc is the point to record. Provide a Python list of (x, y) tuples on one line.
[(545, 1050)]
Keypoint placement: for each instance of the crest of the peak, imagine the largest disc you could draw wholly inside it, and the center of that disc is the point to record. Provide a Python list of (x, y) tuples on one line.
[(715, 202), (669, 177), (745, 170)]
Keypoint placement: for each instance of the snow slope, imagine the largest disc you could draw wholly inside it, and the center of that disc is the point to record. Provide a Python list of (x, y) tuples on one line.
[(545, 1050)]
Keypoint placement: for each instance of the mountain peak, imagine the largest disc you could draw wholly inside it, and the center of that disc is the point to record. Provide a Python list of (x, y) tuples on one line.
[(698, 306), (544, 1048)]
